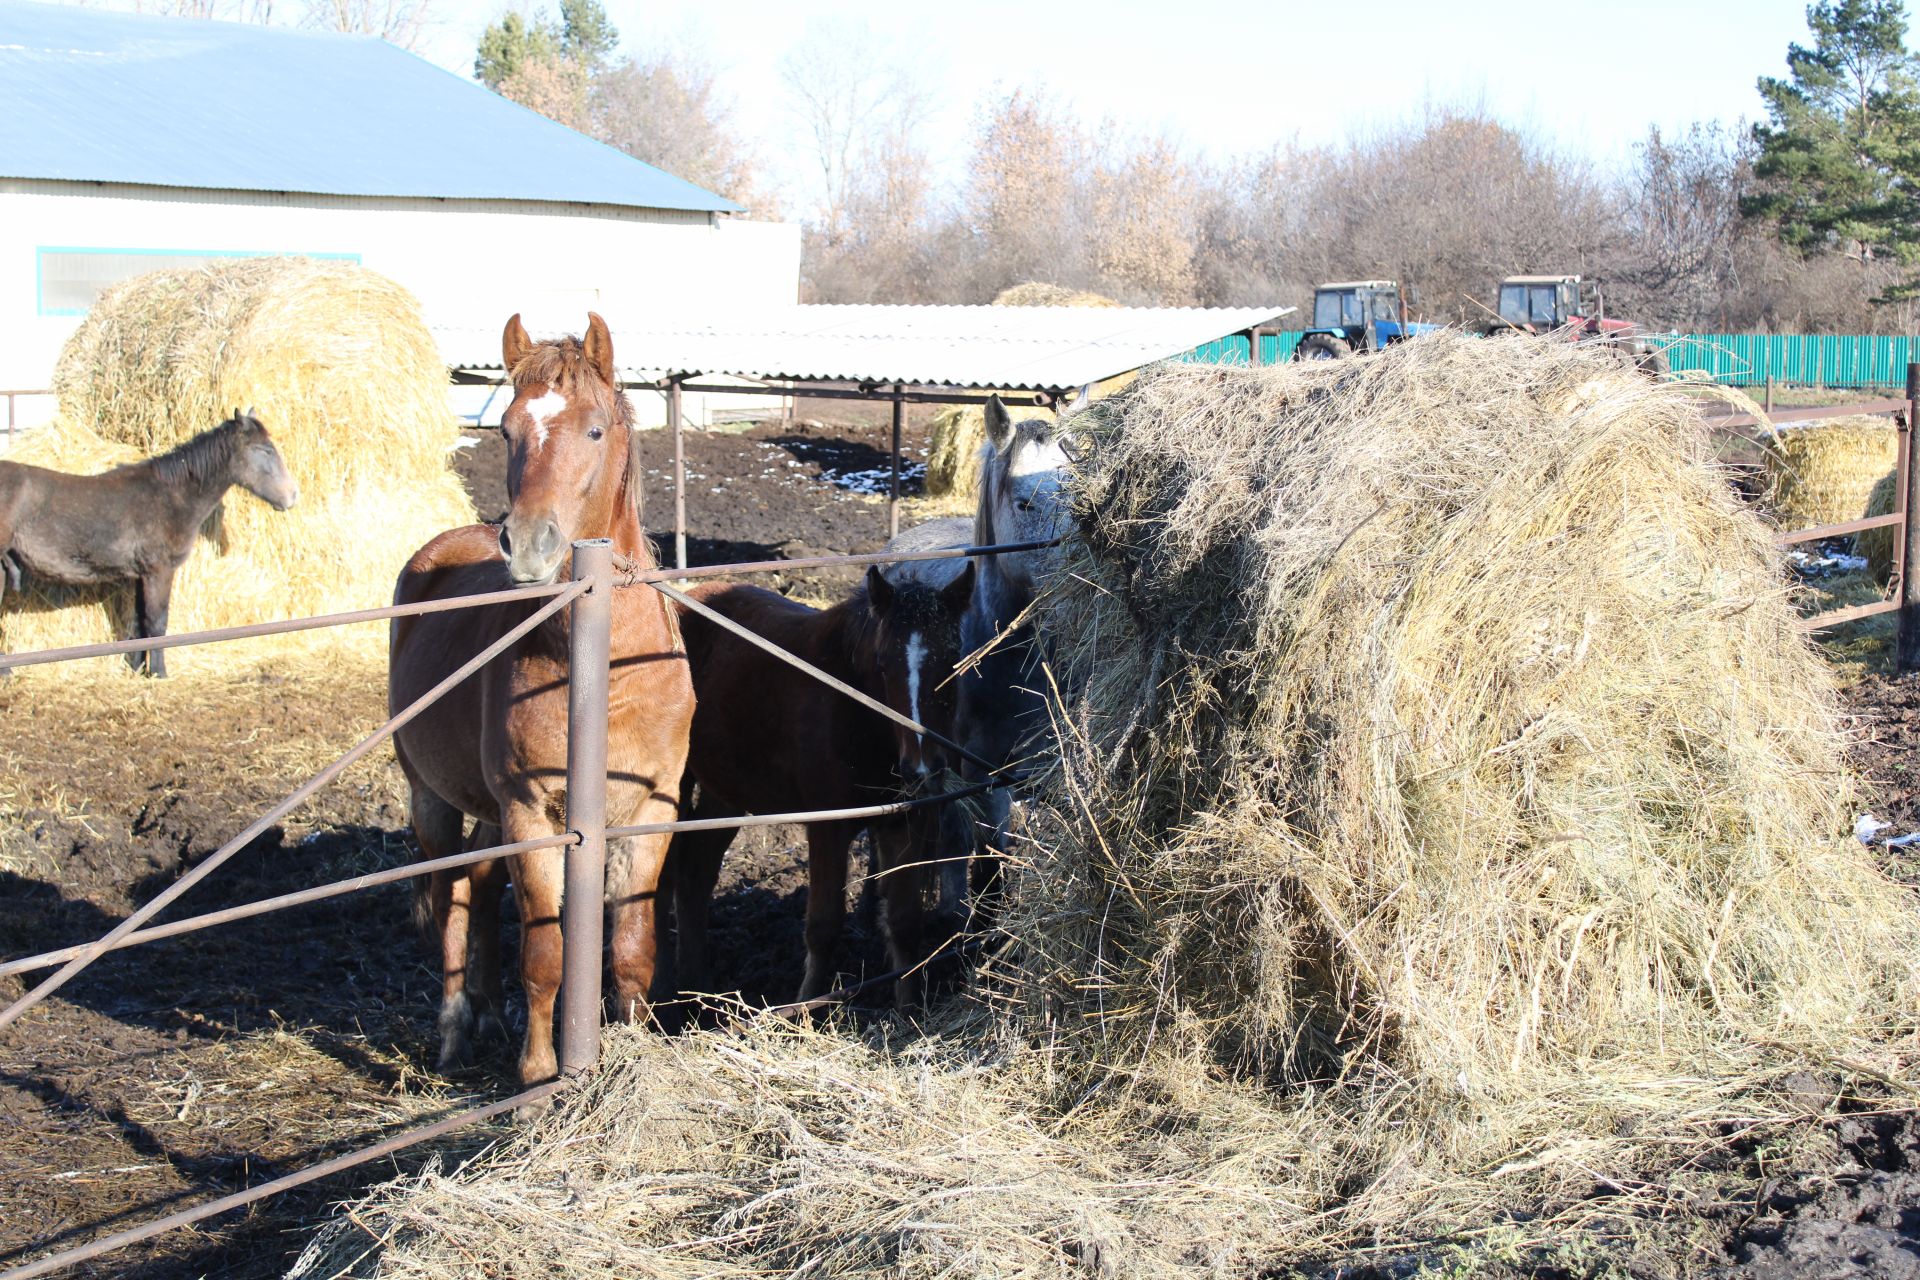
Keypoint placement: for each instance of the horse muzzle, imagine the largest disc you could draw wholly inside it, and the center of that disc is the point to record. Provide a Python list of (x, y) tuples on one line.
[(534, 548)]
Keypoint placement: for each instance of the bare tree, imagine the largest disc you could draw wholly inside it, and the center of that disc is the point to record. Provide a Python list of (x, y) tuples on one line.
[(665, 109), (859, 104), (552, 84), (401, 22)]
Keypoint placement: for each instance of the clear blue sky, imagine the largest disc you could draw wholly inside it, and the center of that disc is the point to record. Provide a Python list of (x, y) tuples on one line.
[(1232, 78)]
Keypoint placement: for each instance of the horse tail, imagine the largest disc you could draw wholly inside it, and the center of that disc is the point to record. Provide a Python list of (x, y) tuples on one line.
[(421, 908)]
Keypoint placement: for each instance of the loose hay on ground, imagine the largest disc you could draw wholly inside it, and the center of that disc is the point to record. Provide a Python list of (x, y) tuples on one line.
[(1450, 817), (1823, 472), (337, 362)]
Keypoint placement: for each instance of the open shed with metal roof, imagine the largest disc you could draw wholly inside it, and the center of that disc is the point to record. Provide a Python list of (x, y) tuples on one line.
[(899, 355), (130, 142)]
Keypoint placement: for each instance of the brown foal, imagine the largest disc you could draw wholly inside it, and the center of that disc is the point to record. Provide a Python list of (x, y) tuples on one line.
[(770, 739), (494, 749)]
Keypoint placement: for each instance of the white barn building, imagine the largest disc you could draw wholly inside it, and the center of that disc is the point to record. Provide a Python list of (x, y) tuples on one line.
[(130, 142)]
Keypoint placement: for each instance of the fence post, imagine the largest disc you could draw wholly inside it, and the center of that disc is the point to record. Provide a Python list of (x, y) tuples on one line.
[(590, 632), (676, 421), (893, 483), (1906, 546)]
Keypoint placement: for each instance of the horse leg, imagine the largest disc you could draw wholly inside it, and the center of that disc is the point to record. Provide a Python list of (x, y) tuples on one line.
[(539, 878), (901, 846), (826, 901), (636, 911), (436, 828), (151, 594), (695, 862), (487, 881)]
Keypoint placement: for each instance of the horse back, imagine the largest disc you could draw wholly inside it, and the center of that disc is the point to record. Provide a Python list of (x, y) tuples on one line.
[(766, 736)]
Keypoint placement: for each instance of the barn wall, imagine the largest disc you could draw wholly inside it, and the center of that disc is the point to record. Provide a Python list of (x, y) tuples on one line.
[(467, 261)]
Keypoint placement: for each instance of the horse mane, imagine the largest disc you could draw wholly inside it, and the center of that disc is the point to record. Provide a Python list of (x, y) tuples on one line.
[(994, 466), (859, 629), (562, 363), (207, 456)]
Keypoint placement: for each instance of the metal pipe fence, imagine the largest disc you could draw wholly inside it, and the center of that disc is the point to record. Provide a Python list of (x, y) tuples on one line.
[(589, 596)]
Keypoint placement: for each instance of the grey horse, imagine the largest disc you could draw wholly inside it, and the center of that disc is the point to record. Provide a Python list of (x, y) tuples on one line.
[(1000, 707)]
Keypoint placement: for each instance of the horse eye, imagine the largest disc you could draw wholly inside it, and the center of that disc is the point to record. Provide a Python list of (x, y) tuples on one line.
[(594, 433), (1023, 504)]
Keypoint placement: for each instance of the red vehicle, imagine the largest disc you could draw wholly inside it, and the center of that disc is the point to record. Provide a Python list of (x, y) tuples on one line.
[(1572, 308)]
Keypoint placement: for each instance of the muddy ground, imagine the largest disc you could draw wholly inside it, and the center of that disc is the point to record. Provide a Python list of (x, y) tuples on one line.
[(175, 1072)]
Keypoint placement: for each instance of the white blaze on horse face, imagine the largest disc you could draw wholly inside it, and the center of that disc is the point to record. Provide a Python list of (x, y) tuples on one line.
[(916, 655), (543, 411)]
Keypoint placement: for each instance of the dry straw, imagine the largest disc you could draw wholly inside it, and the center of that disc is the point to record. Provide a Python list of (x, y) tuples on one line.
[(1449, 816), (1877, 544), (1823, 472), (338, 364)]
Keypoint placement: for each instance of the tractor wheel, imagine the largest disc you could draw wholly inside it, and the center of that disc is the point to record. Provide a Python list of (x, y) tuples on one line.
[(1322, 346)]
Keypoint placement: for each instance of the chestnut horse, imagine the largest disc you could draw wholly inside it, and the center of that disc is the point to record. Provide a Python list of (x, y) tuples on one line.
[(768, 738), (494, 749)]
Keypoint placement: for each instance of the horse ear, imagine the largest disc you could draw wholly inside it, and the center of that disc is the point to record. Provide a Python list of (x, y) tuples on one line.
[(514, 343), (879, 590), (1081, 400), (999, 425), (958, 594), (599, 348)]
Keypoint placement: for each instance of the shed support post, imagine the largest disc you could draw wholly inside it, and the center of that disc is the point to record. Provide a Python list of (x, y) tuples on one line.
[(1253, 346), (1906, 544), (676, 420), (893, 484), (590, 632)]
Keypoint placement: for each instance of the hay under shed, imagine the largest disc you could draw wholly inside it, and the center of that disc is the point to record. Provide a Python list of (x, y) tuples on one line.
[(1036, 293), (1450, 818), (1824, 471), (336, 361)]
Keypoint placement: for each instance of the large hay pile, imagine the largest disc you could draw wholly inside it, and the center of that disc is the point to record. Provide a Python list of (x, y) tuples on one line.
[(338, 364), (1823, 472), (1450, 818)]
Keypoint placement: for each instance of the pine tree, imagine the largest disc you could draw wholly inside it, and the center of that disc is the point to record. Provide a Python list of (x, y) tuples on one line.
[(1839, 163)]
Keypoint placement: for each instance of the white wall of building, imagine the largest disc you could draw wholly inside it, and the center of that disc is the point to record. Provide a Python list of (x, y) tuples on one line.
[(469, 262)]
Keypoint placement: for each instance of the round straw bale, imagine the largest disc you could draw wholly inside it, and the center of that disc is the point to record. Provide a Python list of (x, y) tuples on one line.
[(1877, 544), (953, 458), (1034, 293), (1822, 472), (1440, 714), (338, 364)]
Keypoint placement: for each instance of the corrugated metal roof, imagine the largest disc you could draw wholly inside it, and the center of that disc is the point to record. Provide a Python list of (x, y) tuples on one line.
[(1049, 348), (92, 96)]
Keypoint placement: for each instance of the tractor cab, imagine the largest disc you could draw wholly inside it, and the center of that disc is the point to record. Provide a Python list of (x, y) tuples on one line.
[(1541, 304), (1356, 315)]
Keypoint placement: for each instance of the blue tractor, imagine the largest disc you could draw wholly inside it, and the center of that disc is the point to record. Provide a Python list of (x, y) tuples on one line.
[(1357, 315)]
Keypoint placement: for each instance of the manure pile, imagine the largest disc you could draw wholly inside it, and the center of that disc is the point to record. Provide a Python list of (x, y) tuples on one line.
[(336, 361), (1450, 817)]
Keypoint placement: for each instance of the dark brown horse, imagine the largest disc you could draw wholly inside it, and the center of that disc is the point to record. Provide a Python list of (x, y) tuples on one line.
[(494, 749), (770, 739), (134, 523)]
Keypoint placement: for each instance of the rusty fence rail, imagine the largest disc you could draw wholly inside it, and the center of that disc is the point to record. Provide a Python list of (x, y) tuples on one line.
[(1903, 589), (589, 595)]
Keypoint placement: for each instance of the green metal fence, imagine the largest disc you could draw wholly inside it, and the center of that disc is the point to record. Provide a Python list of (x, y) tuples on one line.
[(1739, 359)]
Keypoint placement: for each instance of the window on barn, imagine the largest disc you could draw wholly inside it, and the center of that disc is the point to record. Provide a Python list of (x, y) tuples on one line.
[(72, 280)]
